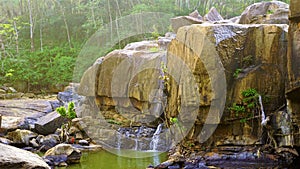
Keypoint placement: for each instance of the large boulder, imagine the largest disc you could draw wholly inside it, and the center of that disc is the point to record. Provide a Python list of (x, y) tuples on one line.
[(272, 12), (128, 82), (48, 124), (259, 65), (23, 113), (12, 157)]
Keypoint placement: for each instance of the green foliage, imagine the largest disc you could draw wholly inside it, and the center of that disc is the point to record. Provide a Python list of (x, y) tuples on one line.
[(68, 113), (155, 34), (112, 121), (237, 108), (174, 120), (62, 111), (237, 72), (248, 105), (40, 69), (249, 93), (154, 49)]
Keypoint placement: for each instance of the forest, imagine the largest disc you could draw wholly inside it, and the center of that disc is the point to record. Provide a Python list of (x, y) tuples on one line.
[(41, 39)]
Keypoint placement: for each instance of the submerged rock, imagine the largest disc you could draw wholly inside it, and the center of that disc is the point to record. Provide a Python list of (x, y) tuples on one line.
[(11, 157)]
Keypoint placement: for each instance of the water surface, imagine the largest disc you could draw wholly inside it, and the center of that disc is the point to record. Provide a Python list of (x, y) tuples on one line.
[(106, 160)]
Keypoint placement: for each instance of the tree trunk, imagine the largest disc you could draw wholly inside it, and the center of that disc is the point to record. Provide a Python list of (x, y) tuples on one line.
[(41, 35), (31, 26), (66, 25), (16, 36), (2, 53)]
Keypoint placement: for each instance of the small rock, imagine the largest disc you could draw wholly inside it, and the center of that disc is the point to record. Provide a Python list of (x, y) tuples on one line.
[(5, 141), (34, 143), (21, 136), (49, 141), (83, 142), (73, 154), (2, 91), (11, 90)]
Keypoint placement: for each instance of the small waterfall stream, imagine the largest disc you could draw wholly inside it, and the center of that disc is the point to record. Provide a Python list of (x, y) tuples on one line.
[(264, 119), (155, 139)]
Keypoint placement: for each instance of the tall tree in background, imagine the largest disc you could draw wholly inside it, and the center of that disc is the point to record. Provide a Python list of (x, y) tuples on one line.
[(31, 25)]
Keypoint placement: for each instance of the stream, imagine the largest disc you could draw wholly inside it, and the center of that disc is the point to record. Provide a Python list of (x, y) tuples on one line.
[(105, 159)]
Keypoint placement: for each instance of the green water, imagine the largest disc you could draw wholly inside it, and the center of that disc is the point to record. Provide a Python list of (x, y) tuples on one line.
[(106, 160)]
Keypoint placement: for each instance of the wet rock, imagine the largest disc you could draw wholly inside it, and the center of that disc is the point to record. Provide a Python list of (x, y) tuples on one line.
[(12, 157), (273, 12), (73, 154), (48, 141), (49, 123), (21, 137)]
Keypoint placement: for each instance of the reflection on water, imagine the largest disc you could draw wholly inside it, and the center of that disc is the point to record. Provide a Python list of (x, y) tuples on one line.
[(106, 160)]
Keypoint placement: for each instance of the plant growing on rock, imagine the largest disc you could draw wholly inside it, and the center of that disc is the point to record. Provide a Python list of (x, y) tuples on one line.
[(249, 105), (236, 73), (69, 114)]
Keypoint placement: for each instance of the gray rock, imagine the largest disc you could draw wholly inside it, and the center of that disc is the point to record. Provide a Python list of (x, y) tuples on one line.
[(181, 21), (83, 142), (21, 137), (12, 157), (273, 12), (213, 15), (49, 123), (49, 141), (72, 153)]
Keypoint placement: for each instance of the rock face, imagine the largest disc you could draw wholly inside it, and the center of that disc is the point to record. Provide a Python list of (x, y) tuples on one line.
[(11, 157), (201, 64), (273, 12), (293, 83), (209, 50)]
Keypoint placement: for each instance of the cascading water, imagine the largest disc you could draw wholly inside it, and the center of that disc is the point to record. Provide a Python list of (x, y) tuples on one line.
[(155, 138), (264, 119)]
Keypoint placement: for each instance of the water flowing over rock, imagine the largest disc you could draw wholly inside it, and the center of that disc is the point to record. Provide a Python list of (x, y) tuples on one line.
[(11, 157), (273, 12)]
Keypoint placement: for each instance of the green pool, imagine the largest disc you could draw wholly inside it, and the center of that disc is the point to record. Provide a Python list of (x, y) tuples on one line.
[(106, 160)]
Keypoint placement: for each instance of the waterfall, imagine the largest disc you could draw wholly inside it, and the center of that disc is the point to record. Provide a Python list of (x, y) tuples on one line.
[(155, 138), (264, 119), (119, 140)]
